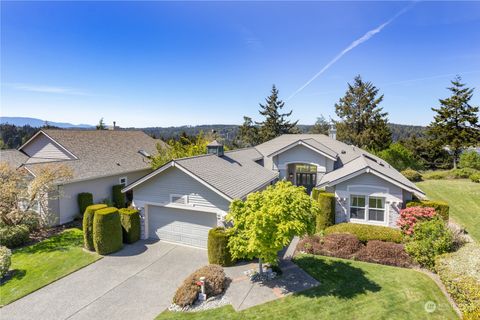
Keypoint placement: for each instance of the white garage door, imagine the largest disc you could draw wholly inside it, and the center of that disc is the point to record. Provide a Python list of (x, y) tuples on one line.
[(180, 226)]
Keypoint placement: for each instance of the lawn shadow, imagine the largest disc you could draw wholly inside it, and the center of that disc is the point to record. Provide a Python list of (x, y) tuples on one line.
[(16, 274), (337, 278), (61, 242)]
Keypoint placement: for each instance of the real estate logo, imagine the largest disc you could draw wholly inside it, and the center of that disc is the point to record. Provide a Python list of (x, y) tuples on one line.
[(430, 306)]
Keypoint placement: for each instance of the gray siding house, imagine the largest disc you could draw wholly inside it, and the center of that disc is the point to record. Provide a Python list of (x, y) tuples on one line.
[(98, 159), (182, 200)]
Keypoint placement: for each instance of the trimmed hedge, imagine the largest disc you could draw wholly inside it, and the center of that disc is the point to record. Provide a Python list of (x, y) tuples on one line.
[(315, 193), (14, 236), (218, 252), (326, 214), (84, 200), (87, 225), (441, 207), (5, 260), (107, 231), (387, 253), (130, 220), (118, 197), (366, 232)]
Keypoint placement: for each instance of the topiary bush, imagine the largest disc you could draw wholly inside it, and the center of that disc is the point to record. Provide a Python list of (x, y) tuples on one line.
[(475, 177), (365, 232), (388, 253), (430, 239), (107, 231), (14, 236), (326, 214), (5, 260), (410, 216), (87, 225), (315, 193), (84, 200), (412, 175), (215, 283), (441, 207), (218, 252), (130, 220), (118, 197)]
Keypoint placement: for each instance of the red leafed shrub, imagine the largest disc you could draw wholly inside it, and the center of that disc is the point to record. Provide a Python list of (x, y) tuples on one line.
[(410, 216), (341, 245), (389, 253), (310, 244)]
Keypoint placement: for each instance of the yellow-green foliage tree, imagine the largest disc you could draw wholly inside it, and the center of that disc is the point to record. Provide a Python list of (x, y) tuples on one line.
[(268, 220)]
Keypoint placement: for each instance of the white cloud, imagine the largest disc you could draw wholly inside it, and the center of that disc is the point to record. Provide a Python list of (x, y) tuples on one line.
[(352, 46), (47, 89)]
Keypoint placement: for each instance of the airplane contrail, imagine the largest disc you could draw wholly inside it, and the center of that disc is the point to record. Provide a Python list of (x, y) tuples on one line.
[(352, 46)]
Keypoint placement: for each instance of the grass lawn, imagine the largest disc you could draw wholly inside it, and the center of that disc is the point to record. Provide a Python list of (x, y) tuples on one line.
[(463, 196), (42, 263), (348, 290)]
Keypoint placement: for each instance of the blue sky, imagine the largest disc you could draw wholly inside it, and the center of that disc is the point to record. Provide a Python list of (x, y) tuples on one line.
[(186, 63)]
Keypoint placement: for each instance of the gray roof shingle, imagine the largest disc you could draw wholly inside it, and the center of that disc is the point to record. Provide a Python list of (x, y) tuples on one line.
[(13, 157), (103, 152)]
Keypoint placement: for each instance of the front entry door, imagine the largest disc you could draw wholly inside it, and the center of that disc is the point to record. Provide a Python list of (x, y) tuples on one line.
[(307, 180)]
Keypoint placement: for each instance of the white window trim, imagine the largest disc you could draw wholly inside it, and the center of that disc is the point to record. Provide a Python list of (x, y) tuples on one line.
[(120, 181), (182, 196), (365, 220)]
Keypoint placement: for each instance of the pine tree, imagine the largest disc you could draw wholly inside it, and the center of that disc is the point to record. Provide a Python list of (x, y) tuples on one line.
[(275, 123), (248, 133), (101, 125), (321, 126), (363, 123), (456, 121)]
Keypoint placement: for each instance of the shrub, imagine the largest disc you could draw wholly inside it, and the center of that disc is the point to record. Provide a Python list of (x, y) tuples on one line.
[(410, 216), (5, 260), (441, 207), (84, 200), (118, 197), (341, 245), (326, 214), (435, 175), (215, 283), (87, 225), (470, 159), (130, 220), (412, 175), (463, 173), (14, 236), (107, 231), (389, 253), (315, 193), (459, 273), (475, 177), (218, 252), (310, 244), (365, 232), (430, 239)]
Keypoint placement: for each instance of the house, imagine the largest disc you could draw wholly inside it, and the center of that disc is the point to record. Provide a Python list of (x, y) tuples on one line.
[(98, 159), (182, 200)]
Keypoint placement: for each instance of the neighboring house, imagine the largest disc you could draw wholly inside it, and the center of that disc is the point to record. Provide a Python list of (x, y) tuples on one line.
[(99, 159), (182, 200)]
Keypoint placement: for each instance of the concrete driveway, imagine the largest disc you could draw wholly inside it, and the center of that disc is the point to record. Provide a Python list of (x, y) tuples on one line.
[(135, 283)]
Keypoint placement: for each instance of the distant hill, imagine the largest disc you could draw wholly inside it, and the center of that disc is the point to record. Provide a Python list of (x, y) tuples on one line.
[(37, 123)]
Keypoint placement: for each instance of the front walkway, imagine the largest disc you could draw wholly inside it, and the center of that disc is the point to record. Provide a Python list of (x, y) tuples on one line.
[(135, 283)]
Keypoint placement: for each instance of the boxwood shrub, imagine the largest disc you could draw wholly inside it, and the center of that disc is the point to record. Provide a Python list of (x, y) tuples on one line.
[(130, 220), (365, 232), (5, 260), (218, 252), (87, 225), (14, 236), (84, 199), (118, 197), (107, 231), (441, 207), (315, 193), (326, 215)]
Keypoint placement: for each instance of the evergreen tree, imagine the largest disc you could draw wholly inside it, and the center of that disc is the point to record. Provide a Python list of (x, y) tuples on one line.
[(101, 125), (456, 121), (362, 121), (275, 123), (248, 133), (321, 126)]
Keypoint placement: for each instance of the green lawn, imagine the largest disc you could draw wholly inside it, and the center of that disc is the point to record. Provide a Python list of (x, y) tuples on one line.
[(348, 290), (44, 262), (463, 196)]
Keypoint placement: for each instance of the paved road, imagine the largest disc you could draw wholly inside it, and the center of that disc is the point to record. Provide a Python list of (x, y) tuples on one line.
[(135, 283)]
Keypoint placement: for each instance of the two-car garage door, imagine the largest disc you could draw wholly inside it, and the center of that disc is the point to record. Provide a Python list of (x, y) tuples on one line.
[(180, 226)]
